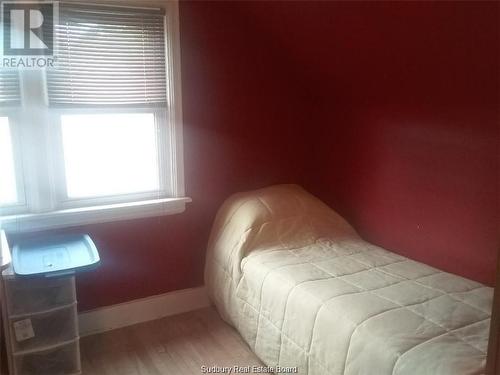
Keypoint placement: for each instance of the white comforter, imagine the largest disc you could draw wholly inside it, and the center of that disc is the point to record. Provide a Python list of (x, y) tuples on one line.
[(305, 290)]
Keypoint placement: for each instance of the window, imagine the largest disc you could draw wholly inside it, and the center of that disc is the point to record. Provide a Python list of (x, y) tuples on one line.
[(8, 186), (11, 194), (87, 141), (102, 137)]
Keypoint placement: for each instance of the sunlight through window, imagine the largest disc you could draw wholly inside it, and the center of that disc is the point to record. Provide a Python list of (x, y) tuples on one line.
[(8, 193), (110, 154)]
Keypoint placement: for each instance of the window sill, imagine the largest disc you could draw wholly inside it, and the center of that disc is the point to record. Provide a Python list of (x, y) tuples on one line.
[(93, 215)]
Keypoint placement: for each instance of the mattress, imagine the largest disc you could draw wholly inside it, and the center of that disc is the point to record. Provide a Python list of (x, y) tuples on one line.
[(310, 296)]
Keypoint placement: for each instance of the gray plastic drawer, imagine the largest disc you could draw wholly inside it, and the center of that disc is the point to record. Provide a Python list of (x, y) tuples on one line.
[(49, 329), (60, 360), (26, 296)]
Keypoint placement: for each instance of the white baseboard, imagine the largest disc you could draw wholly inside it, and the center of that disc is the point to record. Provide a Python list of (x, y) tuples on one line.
[(142, 310)]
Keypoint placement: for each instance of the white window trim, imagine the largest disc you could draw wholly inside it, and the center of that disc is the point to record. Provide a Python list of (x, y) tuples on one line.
[(94, 214), (41, 217), (13, 117)]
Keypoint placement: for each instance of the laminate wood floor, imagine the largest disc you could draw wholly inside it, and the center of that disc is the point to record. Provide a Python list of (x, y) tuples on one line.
[(176, 345)]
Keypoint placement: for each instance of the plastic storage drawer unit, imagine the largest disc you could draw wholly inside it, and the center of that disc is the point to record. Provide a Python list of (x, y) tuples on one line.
[(40, 315), (58, 360), (49, 328), (26, 296)]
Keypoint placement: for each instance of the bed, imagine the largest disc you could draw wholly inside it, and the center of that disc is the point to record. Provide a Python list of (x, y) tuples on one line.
[(308, 295)]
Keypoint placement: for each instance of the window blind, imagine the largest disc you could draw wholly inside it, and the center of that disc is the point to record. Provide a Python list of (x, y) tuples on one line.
[(107, 56), (9, 88)]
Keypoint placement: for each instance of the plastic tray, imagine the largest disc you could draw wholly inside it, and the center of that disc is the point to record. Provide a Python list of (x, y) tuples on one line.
[(54, 256)]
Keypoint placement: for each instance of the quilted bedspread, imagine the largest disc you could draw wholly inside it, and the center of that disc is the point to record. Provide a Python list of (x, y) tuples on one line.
[(305, 290)]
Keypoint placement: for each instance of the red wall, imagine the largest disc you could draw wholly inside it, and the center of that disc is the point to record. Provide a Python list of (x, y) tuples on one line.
[(411, 147), (405, 105)]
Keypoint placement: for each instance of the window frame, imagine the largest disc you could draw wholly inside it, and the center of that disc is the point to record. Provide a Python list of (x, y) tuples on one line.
[(12, 114), (45, 203), (63, 201)]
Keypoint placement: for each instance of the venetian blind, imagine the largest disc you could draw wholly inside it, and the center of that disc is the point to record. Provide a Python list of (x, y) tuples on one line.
[(108, 56), (9, 88)]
